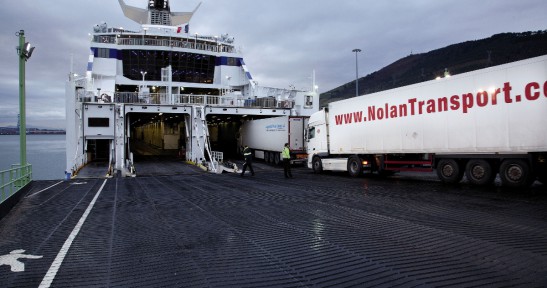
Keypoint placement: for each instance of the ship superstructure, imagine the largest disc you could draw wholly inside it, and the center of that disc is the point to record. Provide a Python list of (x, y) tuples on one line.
[(164, 87)]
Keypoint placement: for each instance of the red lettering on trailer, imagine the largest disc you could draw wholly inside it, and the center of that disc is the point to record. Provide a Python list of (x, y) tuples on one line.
[(338, 119), (347, 118), (443, 104), (495, 96), (467, 102), (455, 102), (411, 102), (507, 90), (464, 102), (528, 92), (358, 116), (482, 98), (431, 106), (371, 113), (393, 111)]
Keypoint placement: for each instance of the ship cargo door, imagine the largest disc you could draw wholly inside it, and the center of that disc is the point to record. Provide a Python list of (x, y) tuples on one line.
[(156, 136), (223, 134), (98, 150)]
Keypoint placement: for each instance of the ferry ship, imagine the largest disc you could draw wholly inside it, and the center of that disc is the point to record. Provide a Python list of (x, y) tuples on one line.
[(163, 87)]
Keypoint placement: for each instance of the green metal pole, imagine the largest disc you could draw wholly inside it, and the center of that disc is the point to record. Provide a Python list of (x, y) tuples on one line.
[(22, 116)]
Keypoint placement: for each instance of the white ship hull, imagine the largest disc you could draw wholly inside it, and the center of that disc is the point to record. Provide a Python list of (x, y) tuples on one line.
[(166, 88)]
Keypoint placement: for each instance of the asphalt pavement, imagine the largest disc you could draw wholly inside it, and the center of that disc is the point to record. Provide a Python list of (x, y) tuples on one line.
[(191, 228)]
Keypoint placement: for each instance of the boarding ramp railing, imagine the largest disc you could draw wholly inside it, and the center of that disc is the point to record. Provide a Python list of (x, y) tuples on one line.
[(13, 180)]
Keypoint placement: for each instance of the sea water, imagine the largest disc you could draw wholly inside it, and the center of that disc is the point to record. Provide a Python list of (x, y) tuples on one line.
[(46, 153)]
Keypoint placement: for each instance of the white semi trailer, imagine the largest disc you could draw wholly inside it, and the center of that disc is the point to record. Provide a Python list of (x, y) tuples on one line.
[(480, 123), (267, 137)]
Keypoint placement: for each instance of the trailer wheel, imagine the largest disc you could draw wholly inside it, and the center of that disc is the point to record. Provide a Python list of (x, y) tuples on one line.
[(448, 170), (276, 158), (317, 165), (354, 166), (479, 172), (515, 173)]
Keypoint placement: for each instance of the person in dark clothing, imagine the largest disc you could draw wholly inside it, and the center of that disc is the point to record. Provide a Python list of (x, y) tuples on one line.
[(247, 153), (286, 155)]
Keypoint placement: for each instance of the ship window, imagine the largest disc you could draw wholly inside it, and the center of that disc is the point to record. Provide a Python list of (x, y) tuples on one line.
[(232, 61), (186, 67), (98, 122), (309, 101), (103, 53)]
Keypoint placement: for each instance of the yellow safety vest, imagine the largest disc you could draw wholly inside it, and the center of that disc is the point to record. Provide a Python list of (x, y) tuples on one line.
[(286, 153)]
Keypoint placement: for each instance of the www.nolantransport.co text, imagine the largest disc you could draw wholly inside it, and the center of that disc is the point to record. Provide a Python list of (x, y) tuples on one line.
[(533, 91)]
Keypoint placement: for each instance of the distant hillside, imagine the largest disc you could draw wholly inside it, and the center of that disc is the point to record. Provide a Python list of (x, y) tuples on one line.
[(13, 130), (458, 58)]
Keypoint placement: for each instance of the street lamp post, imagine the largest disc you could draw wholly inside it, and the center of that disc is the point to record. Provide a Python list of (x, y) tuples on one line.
[(356, 72), (24, 51)]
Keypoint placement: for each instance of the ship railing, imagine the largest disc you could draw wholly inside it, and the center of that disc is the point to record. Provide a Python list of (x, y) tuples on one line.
[(13, 180), (186, 43), (229, 100), (278, 93)]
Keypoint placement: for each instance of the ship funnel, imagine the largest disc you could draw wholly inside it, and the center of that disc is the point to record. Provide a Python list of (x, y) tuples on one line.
[(158, 13)]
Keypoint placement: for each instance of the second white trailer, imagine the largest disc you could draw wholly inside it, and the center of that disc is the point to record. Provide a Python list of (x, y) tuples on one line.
[(267, 137)]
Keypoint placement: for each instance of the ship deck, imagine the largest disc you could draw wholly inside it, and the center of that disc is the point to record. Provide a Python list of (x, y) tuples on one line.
[(197, 229)]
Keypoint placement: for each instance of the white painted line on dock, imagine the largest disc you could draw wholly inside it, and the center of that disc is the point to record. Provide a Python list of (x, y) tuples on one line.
[(45, 189), (54, 268)]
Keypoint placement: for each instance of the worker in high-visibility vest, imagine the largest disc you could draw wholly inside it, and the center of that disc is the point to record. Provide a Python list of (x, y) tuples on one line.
[(248, 154), (286, 155)]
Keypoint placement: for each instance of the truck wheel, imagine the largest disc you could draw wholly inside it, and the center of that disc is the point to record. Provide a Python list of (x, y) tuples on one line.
[(276, 158), (317, 165), (449, 171), (479, 172), (354, 166), (266, 156), (515, 173)]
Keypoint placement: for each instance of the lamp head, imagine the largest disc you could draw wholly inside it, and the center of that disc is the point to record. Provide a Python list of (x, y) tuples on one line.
[(26, 51)]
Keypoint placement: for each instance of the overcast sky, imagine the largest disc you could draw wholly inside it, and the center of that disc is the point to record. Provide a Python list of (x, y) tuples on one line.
[(282, 41)]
